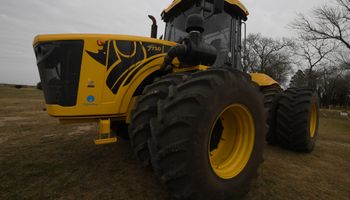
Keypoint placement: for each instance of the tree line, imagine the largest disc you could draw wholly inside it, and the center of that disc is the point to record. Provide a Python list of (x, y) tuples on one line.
[(318, 57)]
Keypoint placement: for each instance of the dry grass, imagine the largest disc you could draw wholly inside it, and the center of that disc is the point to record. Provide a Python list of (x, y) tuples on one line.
[(40, 159)]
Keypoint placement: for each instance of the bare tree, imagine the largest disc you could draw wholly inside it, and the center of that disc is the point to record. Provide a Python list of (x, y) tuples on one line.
[(298, 79), (331, 83), (250, 57), (334, 87), (323, 47), (267, 55), (312, 53), (343, 58), (327, 23)]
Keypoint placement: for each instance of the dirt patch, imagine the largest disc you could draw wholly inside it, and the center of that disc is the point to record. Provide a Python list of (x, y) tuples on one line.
[(82, 129), (8, 119), (28, 123), (49, 136), (334, 143), (3, 139)]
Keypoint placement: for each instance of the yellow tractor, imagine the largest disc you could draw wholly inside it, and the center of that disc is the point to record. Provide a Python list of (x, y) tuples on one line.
[(182, 101)]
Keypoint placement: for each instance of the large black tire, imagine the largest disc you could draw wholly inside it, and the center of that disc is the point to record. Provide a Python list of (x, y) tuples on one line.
[(297, 119), (272, 95), (145, 109), (188, 131)]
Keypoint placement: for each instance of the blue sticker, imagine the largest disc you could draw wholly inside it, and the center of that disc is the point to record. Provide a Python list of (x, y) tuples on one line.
[(90, 99)]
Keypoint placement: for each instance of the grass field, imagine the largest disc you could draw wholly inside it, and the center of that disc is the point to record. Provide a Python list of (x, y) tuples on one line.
[(40, 159)]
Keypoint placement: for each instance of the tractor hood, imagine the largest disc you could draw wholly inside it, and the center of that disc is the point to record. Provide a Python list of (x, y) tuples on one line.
[(86, 74)]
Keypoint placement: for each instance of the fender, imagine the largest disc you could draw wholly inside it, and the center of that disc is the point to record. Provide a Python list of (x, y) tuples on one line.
[(134, 81), (262, 79)]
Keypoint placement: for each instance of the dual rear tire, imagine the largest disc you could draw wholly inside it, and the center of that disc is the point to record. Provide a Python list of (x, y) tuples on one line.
[(292, 117), (297, 119)]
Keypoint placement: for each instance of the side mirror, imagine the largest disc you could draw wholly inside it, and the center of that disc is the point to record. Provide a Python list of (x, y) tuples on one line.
[(219, 6)]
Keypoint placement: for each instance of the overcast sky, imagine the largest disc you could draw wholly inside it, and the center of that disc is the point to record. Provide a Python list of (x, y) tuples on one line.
[(21, 20)]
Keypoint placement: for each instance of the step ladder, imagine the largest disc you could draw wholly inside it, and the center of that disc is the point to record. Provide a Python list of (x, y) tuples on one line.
[(104, 135)]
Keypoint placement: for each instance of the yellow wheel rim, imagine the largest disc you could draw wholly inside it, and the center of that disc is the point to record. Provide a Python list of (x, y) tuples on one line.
[(235, 141), (313, 120)]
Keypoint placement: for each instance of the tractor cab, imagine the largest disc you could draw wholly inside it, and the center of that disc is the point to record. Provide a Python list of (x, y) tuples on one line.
[(221, 29)]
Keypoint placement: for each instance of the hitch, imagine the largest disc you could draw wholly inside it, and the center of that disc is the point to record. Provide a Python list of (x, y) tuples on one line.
[(104, 136)]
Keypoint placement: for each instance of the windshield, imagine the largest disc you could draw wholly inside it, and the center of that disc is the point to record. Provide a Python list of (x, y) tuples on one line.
[(218, 30)]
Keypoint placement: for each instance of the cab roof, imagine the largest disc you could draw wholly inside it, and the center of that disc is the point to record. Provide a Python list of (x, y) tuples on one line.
[(234, 6)]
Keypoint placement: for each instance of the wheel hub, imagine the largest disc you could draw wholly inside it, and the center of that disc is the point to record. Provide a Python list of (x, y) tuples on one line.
[(230, 153)]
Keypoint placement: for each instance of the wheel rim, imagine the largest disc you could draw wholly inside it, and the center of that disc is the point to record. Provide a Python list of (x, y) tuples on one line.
[(231, 146), (313, 120)]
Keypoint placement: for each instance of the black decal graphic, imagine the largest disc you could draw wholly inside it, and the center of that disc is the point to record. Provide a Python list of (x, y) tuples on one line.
[(126, 48), (125, 57), (131, 53), (101, 56), (112, 55), (138, 69)]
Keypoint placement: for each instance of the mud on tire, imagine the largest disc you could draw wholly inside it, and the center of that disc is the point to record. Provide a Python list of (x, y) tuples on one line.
[(190, 127), (145, 110)]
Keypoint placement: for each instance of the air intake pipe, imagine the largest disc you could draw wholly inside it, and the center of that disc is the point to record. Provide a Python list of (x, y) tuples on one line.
[(154, 28), (192, 50)]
